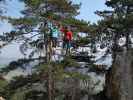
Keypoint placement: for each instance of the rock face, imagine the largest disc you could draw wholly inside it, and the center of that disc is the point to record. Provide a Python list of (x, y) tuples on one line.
[(119, 79)]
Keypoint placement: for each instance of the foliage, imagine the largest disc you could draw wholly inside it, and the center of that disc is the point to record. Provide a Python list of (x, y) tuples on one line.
[(115, 25), (3, 84)]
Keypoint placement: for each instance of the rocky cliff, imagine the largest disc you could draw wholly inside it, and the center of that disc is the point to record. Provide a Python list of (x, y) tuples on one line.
[(119, 79)]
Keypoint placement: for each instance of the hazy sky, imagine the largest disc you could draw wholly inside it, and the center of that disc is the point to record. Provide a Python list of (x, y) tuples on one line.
[(13, 9)]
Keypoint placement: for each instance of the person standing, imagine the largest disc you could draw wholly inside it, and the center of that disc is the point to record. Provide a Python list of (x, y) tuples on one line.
[(69, 36), (67, 39), (55, 35)]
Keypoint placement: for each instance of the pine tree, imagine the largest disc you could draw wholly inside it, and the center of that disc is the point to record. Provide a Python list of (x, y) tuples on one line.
[(115, 25)]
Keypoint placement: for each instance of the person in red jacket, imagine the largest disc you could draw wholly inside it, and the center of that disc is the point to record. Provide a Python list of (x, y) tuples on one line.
[(67, 38)]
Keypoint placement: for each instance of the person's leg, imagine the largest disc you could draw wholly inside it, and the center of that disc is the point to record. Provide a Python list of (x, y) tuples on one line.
[(55, 42), (67, 47), (64, 47), (55, 45), (64, 43)]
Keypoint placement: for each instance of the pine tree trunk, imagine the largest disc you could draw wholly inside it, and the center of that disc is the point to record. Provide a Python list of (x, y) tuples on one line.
[(76, 90), (119, 79), (50, 85), (50, 80)]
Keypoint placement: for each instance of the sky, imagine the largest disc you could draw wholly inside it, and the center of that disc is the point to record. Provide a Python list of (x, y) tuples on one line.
[(88, 8), (13, 9)]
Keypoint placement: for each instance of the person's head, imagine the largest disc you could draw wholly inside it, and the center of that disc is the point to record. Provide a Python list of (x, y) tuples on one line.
[(59, 24), (65, 27)]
